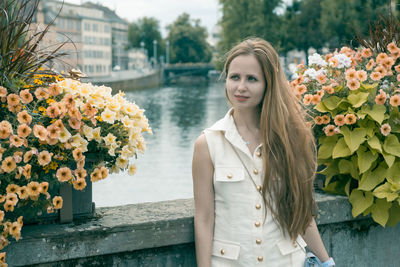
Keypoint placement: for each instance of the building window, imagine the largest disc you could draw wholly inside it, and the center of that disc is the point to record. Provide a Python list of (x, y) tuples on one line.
[(87, 26), (106, 28), (78, 25), (95, 27), (70, 24)]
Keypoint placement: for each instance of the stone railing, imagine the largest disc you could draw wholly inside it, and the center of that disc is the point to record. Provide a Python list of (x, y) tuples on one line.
[(161, 234)]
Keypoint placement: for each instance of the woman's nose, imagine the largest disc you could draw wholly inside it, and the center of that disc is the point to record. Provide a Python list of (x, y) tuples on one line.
[(242, 85)]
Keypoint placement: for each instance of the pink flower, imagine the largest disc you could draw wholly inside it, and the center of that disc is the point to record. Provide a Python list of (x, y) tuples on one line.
[(385, 129)]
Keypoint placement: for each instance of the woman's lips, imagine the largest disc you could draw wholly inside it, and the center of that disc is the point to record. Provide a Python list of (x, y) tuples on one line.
[(241, 98)]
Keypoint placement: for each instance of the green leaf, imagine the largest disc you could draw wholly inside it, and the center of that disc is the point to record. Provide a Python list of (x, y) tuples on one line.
[(358, 99), (360, 201), (380, 211), (330, 171), (326, 147), (374, 143), (332, 102), (353, 138), (347, 166), (341, 150), (321, 107), (393, 173), (369, 86), (370, 179), (365, 159), (389, 159), (383, 191), (394, 215), (392, 145), (377, 113)]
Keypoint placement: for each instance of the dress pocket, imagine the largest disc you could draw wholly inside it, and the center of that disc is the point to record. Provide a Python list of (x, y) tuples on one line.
[(295, 250), (229, 173), (226, 249)]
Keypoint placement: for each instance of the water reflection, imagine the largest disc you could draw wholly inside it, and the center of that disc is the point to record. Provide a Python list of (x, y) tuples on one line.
[(177, 115)]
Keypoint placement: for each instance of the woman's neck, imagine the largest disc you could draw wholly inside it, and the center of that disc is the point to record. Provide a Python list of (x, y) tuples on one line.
[(247, 119)]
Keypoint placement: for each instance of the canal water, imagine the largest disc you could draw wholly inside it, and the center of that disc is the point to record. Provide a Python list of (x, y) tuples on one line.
[(177, 115)]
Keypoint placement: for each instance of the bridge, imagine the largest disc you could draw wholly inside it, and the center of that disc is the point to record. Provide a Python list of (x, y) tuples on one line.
[(175, 71)]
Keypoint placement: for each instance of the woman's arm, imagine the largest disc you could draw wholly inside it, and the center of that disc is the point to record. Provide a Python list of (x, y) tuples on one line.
[(202, 172), (314, 242)]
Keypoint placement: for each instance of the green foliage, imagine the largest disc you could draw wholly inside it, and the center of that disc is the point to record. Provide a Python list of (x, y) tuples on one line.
[(146, 30), (188, 41)]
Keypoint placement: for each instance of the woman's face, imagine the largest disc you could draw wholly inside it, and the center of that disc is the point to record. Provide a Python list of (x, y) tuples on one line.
[(245, 83)]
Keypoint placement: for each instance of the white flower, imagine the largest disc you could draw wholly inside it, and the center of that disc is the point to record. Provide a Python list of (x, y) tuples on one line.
[(88, 132), (344, 61), (79, 142), (121, 163), (96, 134), (132, 169), (108, 116), (110, 139), (312, 73), (113, 105), (64, 135), (128, 123), (317, 60)]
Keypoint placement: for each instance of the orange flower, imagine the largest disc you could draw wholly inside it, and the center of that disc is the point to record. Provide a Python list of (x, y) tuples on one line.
[(44, 186), (2, 198), (26, 96), (15, 230), (307, 99), (392, 47), (52, 111), (320, 93), (79, 184), (74, 123), (315, 99), (40, 132), (12, 197), (80, 173), (321, 78), (12, 188), (74, 113), (68, 100), (351, 74), (329, 130), (300, 89), (95, 175), (8, 164), (41, 93), (57, 202), (28, 155), (362, 75), (8, 206), (3, 91), (54, 89), (24, 117), (53, 131), (397, 68), (353, 84), (64, 174), (23, 130), (81, 163), (59, 124), (5, 129), (325, 119), (381, 57), (318, 120), (381, 70), (27, 171), (104, 172), (385, 129), (16, 141), (44, 157), (388, 63), (329, 89), (381, 98), (77, 154), (376, 76), (395, 100), (22, 192), (13, 99), (1, 216), (33, 189), (370, 64), (333, 62), (366, 52), (350, 119)]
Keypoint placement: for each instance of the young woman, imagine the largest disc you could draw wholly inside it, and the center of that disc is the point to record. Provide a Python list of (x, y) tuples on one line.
[(253, 170)]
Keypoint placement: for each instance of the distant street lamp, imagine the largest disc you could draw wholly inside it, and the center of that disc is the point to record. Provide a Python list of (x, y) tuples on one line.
[(167, 52), (155, 51)]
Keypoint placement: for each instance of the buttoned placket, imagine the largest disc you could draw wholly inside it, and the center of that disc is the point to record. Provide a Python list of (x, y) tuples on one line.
[(258, 207)]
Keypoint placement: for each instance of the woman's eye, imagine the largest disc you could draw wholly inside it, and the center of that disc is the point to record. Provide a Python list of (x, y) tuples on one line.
[(235, 77), (252, 78)]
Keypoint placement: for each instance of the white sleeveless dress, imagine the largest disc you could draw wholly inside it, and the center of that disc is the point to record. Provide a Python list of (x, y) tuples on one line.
[(240, 237)]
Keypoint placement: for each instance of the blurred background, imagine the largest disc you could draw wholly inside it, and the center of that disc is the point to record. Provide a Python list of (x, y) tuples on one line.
[(166, 56)]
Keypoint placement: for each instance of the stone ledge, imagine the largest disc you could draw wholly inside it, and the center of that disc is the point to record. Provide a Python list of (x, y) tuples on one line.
[(130, 228)]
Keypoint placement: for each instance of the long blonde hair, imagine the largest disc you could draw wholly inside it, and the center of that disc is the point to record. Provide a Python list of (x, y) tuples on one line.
[(288, 147)]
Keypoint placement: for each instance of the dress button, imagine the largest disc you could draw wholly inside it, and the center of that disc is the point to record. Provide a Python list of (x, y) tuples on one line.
[(259, 188), (255, 171), (258, 154), (295, 244), (260, 258), (229, 175), (258, 206), (257, 224), (258, 241), (222, 251)]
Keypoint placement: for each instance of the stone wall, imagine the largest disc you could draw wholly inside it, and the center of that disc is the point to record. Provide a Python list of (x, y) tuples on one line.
[(161, 234)]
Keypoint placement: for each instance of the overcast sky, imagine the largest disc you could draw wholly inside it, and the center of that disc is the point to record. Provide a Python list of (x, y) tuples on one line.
[(166, 11)]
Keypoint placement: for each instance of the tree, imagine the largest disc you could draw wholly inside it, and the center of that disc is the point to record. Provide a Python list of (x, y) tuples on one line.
[(145, 30), (188, 41)]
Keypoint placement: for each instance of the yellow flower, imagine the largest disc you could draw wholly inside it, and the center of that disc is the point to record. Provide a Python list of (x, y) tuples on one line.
[(79, 184), (15, 230), (33, 189), (22, 192), (57, 202)]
